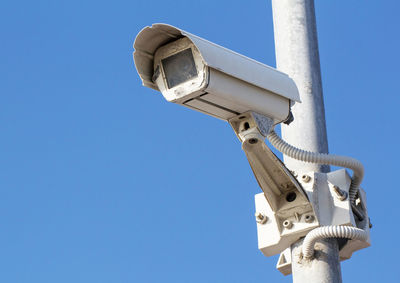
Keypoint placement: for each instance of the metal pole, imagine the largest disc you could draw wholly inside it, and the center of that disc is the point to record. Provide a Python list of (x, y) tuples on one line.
[(296, 47)]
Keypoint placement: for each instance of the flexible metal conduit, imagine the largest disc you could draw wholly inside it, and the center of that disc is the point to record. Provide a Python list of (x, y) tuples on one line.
[(322, 158), (330, 232)]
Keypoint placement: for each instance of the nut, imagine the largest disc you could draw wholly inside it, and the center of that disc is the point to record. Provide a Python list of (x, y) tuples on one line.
[(305, 178), (287, 224), (341, 195), (309, 218), (260, 218)]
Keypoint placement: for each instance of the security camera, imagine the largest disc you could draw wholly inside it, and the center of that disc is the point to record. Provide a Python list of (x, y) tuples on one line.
[(253, 98), (206, 77)]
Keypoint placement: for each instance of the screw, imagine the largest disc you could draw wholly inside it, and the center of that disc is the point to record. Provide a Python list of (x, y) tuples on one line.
[(341, 195), (287, 224), (260, 218), (306, 178), (309, 218)]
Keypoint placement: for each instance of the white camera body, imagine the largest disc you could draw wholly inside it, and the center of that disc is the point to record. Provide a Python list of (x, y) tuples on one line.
[(201, 75)]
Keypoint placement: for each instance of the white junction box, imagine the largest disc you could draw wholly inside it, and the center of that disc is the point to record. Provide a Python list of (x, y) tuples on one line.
[(328, 195)]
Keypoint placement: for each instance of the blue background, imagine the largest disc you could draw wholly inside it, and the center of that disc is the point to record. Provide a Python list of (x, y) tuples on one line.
[(102, 180)]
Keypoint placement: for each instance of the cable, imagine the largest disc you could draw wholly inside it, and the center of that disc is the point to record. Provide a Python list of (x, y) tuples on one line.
[(330, 232), (322, 158), (335, 160)]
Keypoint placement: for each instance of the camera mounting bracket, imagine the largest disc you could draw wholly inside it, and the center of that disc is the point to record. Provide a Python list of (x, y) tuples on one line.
[(287, 207)]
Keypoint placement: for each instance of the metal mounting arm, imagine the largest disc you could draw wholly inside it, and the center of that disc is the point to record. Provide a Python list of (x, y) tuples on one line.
[(284, 212), (276, 181)]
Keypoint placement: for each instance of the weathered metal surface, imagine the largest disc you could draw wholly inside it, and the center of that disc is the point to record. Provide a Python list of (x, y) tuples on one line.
[(296, 47), (323, 269)]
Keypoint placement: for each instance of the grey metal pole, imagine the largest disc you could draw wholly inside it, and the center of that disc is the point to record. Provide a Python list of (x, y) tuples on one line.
[(296, 47)]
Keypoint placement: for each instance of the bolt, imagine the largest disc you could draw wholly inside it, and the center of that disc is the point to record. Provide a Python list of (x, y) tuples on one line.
[(309, 218), (260, 218), (287, 224), (341, 195), (306, 178)]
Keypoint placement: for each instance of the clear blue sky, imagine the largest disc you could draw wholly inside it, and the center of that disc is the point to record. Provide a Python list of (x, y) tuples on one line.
[(102, 180)]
